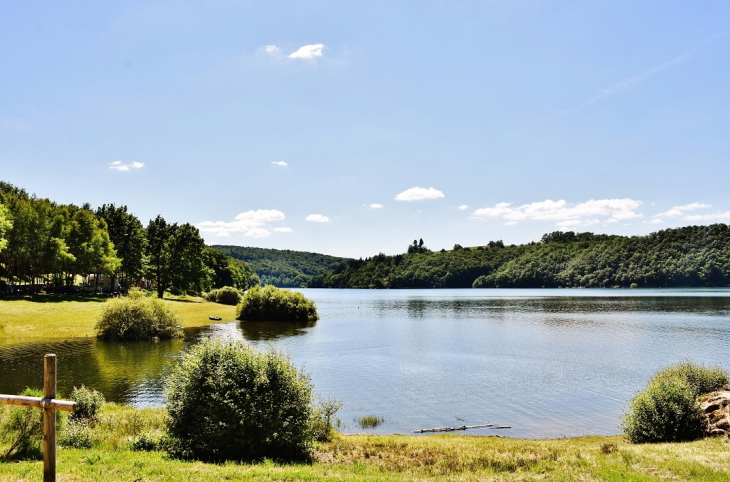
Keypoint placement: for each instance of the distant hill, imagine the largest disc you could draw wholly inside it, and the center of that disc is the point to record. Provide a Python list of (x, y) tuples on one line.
[(688, 256), (284, 268)]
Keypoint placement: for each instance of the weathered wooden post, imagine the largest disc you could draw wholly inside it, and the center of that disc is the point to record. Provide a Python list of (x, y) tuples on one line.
[(49, 405), (49, 419)]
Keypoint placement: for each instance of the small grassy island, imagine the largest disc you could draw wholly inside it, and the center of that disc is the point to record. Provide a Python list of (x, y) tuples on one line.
[(274, 304)]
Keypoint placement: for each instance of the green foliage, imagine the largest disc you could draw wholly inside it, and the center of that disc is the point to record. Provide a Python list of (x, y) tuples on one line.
[(702, 379), (274, 304), (283, 268), (137, 317), (177, 258), (688, 256), (228, 271), (129, 238), (88, 404), (77, 434), (667, 410), (147, 443), (369, 421), (324, 417), (228, 401), (23, 427), (5, 225), (226, 295)]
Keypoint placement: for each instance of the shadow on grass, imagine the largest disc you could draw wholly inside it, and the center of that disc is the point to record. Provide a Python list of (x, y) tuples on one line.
[(56, 298), (182, 301)]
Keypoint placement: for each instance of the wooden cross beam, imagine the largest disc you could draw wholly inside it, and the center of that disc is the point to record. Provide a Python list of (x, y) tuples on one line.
[(49, 405)]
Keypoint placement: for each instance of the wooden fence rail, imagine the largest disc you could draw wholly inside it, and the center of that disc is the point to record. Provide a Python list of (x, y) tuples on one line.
[(49, 405)]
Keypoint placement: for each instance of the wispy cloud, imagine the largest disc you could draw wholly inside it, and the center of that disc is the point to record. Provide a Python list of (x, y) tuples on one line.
[(272, 50), (677, 211), (419, 194), (376, 206), (566, 215), (317, 218), (251, 224), (280, 163), (463, 207), (120, 166), (622, 86), (718, 216), (308, 52)]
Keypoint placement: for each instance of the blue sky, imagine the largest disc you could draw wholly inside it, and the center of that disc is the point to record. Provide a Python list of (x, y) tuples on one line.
[(351, 128)]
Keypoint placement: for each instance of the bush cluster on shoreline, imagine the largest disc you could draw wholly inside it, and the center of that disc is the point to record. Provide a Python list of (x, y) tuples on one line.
[(667, 410), (227, 295), (274, 304)]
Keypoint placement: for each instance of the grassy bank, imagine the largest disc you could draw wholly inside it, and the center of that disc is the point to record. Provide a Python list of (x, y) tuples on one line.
[(45, 317), (392, 457)]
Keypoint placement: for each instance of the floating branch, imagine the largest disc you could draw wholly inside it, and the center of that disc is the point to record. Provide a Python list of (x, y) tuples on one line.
[(462, 427)]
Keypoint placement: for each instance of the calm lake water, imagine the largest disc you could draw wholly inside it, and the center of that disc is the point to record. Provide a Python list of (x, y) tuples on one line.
[(548, 363)]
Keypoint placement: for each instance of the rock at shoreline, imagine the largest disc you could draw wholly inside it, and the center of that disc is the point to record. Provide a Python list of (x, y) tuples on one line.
[(716, 411)]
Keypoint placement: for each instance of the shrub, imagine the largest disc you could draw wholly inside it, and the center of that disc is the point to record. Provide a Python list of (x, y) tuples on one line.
[(228, 295), (147, 443), (702, 379), (137, 317), (228, 401), (77, 434), (274, 304), (323, 417), (211, 296), (667, 410), (88, 403), (23, 426)]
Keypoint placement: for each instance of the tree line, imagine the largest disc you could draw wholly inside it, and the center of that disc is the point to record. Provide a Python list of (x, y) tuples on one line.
[(43, 243), (283, 268), (690, 256)]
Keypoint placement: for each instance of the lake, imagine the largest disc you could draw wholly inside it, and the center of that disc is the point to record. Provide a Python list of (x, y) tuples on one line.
[(548, 363)]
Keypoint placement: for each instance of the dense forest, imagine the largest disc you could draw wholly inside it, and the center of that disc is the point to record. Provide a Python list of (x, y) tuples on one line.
[(689, 256), (48, 245), (283, 268)]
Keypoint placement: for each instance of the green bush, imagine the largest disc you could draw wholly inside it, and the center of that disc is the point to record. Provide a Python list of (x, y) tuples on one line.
[(228, 401), (274, 304), (137, 317), (667, 409), (324, 417), (228, 295), (23, 428), (702, 379), (88, 403), (211, 296), (77, 434)]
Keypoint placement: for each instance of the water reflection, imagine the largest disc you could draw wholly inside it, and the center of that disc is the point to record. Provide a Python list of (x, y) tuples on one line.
[(421, 358), (270, 331)]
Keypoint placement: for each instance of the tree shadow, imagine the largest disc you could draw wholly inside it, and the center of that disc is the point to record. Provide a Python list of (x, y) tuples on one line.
[(52, 298)]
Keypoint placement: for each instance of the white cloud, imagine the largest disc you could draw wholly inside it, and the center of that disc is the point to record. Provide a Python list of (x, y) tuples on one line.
[(677, 211), (280, 163), (718, 216), (318, 218), (510, 223), (567, 215), (655, 221), (120, 166), (463, 207), (376, 206), (273, 50), (283, 230), (309, 52), (251, 224), (419, 194)]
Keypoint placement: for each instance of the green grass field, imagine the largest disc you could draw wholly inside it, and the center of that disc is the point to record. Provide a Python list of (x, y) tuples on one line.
[(46, 317), (390, 457)]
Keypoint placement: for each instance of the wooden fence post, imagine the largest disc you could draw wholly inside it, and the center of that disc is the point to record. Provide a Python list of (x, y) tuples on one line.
[(50, 405), (49, 419)]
